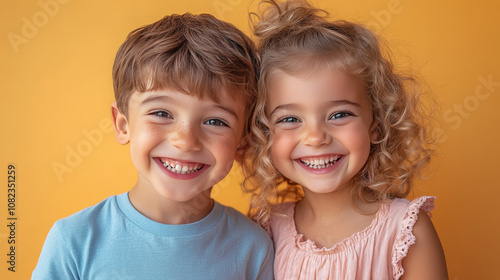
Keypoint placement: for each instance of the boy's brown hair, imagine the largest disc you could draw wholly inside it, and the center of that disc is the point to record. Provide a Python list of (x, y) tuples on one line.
[(196, 54)]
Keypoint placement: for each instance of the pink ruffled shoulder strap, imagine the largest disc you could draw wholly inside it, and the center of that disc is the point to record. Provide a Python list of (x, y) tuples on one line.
[(404, 236), (278, 216)]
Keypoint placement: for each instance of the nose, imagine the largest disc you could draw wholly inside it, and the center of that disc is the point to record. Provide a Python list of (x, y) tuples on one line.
[(316, 135), (185, 137)]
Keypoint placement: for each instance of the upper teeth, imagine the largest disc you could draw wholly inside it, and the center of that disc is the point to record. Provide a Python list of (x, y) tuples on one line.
[(181, 169), (320, 162)]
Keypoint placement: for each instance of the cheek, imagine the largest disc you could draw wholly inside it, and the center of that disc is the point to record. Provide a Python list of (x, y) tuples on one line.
[(224, 154), (143, 140), (144, 136), (221, 174), (223, 150), (227, 158), (282, 144), (358, 139)]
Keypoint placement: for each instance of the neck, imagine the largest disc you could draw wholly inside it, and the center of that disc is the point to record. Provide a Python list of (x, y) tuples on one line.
[(325, 206), (171, 212), (330, 207), (327, 218)]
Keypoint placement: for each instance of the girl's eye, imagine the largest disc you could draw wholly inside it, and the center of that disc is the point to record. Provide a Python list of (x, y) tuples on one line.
[(216, 122), (162, 114), (288, 120), (339, 115)]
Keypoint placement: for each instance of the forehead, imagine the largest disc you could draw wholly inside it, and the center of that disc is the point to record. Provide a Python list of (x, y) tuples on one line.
[(323, 79)]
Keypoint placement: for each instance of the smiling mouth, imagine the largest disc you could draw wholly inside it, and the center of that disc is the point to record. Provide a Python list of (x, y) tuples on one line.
[(320, 162), (181, 168)]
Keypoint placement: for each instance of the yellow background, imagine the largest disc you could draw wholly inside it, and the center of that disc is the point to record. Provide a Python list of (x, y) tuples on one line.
[(55, 86)]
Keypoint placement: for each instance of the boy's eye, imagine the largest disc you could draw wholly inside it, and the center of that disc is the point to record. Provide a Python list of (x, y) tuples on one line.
[(288, 120), (216, 122), (339, 115), (162, 114)]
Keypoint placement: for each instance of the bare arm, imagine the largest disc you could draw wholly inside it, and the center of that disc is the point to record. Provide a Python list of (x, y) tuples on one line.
[(425, 259)]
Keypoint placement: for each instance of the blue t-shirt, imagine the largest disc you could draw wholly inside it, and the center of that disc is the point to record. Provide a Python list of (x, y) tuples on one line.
[(112, 240)]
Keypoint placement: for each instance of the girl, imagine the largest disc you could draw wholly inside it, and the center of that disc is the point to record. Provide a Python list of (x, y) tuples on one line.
[(346, 134)]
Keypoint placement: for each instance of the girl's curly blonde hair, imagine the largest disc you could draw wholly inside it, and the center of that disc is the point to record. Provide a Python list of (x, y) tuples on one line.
[(295, 37)]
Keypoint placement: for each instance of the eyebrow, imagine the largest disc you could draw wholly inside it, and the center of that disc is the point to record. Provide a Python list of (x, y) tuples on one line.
[(291, 106), (229, 110), (155, 98), (344, 102), (283, 107)]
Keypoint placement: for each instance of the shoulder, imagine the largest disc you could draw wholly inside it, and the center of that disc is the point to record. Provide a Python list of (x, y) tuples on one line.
[(247, 234), (281, 213), (403, 213), (68, 239), (424, 203), (281, 222), (85, 220), (418, 253), (249, 241), (425, 259), (238, 222), (283, 209)]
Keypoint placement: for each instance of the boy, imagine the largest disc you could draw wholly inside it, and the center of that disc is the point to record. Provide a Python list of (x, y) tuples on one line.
[(184, 89)]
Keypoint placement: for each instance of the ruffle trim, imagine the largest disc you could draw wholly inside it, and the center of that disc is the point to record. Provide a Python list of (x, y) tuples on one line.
[(404, 237), (309, 245)]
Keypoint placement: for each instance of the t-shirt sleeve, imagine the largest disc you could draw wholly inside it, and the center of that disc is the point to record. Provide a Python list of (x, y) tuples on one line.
[(55, 261), (404, 236), (267, 266)]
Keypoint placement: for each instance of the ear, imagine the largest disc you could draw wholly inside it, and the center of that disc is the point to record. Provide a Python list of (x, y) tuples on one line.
[(240, 151), (120, 125), (374, 132)]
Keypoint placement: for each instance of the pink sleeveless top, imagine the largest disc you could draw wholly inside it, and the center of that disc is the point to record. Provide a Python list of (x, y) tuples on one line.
[(374, 253)]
